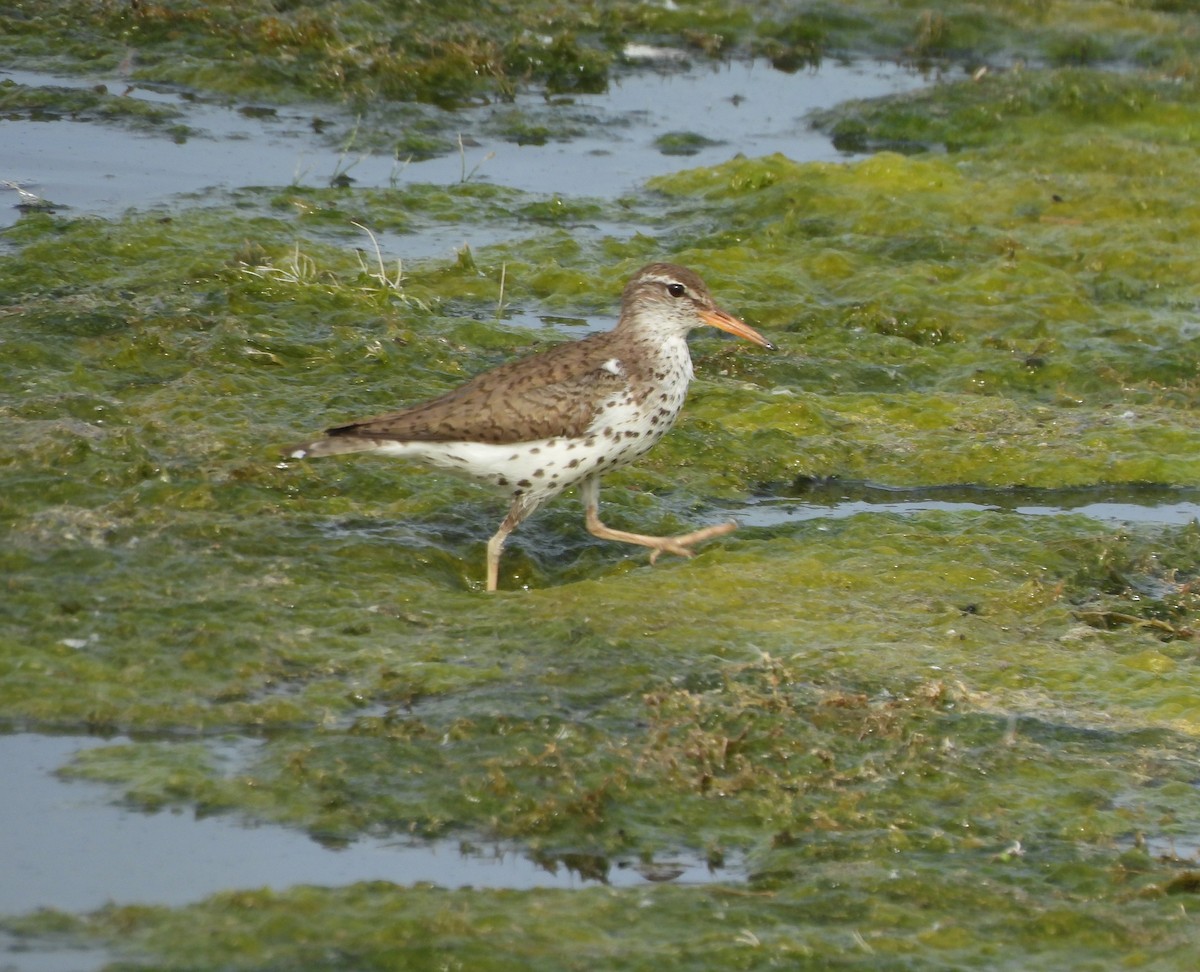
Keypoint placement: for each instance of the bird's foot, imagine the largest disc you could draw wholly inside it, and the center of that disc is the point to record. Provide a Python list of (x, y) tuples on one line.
[(680, 546)]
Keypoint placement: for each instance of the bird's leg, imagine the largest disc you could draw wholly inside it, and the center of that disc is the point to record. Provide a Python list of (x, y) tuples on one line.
[(589, 492), (495, 545), (521, 507)]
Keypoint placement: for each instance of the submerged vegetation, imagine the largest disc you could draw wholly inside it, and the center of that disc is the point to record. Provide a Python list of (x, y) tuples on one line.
[(957, 738)]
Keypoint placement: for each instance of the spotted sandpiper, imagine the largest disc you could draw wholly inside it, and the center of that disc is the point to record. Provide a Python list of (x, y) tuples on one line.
[(563, 416)]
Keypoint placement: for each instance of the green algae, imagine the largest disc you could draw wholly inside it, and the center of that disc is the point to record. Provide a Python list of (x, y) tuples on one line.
[(336, 50), (1005, 109), (682, 143), (344, 50), (854, 918), (855, 765), (96, 104)]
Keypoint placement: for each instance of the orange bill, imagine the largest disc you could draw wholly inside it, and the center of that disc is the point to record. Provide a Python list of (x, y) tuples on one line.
[(727, 322)]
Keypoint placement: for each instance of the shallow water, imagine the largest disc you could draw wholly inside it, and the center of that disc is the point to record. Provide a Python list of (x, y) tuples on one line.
[(747, 108), (1152, 506), (66, 845)]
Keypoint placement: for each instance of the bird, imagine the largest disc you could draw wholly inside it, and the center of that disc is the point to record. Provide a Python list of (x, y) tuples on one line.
[(564, 416)]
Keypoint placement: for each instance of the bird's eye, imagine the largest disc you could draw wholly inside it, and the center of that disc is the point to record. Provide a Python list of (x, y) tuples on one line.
[(676, 289)]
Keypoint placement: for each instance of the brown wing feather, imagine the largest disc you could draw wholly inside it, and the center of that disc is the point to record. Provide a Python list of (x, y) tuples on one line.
[(554, 393)]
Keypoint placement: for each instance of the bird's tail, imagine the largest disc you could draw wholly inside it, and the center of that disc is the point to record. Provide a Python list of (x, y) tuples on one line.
[(329, 446)]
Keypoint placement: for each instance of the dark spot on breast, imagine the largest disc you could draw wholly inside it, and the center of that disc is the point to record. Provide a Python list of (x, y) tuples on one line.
[(573, 463), (524, 483), (535, 450), (539, 473), (501, 481)]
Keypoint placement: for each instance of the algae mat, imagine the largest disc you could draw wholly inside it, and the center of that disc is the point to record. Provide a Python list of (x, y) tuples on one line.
[(953, 739)]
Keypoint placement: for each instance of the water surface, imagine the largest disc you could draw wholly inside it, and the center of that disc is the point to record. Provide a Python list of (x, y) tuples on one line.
[(740, 107)]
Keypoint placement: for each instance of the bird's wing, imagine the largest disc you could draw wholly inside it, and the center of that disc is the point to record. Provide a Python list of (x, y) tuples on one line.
[(554, 393)]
